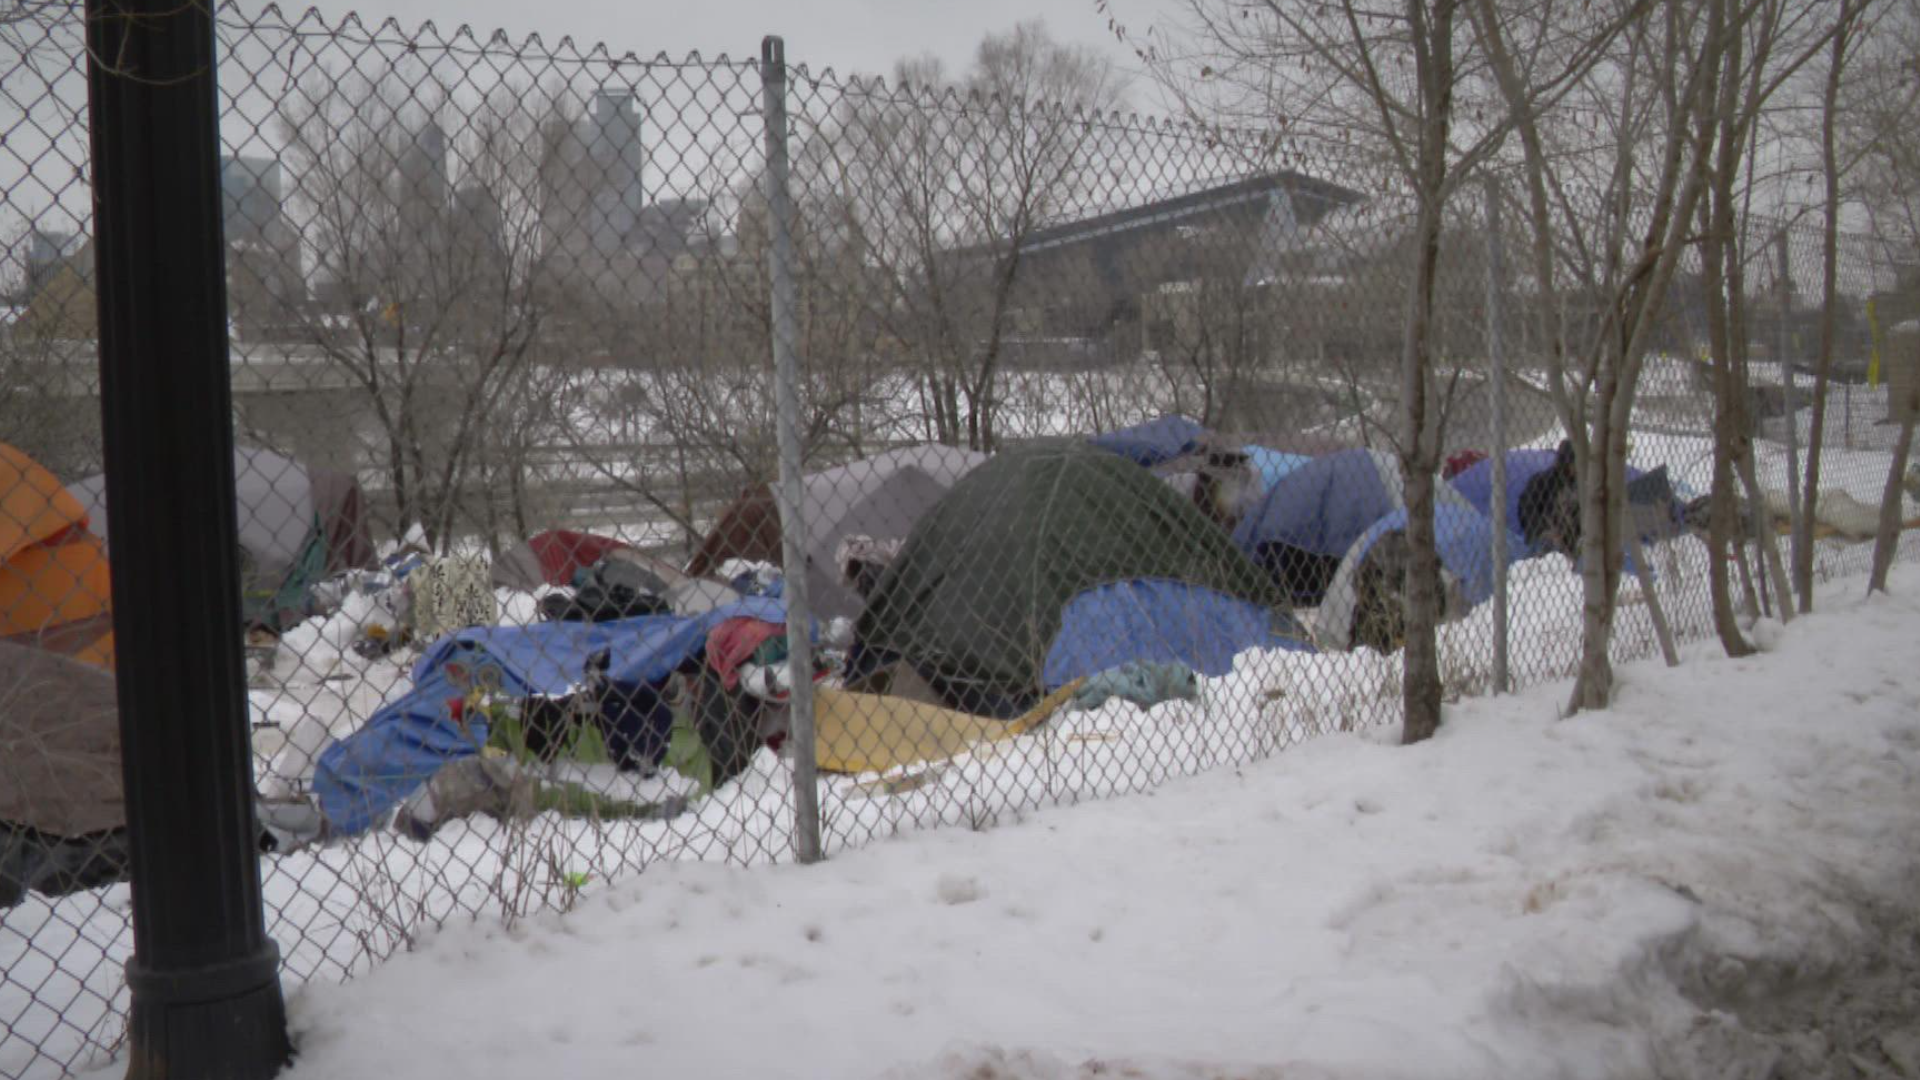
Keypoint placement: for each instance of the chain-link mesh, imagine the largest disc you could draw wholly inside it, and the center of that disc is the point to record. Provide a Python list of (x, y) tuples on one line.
[(1101, 484)]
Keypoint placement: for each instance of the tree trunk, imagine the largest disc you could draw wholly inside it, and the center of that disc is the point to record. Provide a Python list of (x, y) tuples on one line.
[(1887, 540), (1722, 528), (1766, 540), (1602, 499), (1420, 437), (1829, 274)]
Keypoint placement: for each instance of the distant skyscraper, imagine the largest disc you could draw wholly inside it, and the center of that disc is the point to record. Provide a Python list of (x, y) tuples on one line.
[(618, 156), (423, 167), (251, 200), (263, 254)]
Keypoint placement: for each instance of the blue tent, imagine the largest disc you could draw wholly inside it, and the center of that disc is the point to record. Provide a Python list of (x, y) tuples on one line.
[(1323, 506), (1153, 442), (1158, 619), (363, 776), (1272, 464)]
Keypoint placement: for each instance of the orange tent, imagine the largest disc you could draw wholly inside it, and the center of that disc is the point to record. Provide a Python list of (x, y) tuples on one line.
[(54, 587)]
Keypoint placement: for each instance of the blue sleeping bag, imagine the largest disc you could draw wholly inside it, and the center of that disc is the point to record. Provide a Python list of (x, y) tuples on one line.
[(360, 778), (1161, 620)]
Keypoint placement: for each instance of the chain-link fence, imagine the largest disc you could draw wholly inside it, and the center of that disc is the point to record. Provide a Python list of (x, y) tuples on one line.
[(1095, 446)]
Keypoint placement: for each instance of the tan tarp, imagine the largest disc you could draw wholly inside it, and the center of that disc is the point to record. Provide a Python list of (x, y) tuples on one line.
[(59, 744), (859, 733), (1840, 512)]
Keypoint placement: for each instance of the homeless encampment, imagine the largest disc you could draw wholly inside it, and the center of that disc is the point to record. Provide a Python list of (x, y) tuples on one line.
[(978, 597), (62, 808), (297, 525), (55, 592), (362, 777), (877, 498), (1305, 524)]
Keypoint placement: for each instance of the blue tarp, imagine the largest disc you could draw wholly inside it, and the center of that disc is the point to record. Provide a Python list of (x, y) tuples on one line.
[(1323, 506), (1475, 482), (360, 778), (1161, 620), (1153, 442), (1272, 464)]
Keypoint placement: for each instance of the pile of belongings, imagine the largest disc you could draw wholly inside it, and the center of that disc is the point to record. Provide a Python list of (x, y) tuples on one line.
[(611, 588), (1543, 500), (620, 693)]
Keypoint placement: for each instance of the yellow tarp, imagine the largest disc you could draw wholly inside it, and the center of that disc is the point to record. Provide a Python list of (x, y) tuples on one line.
[(857, 733)]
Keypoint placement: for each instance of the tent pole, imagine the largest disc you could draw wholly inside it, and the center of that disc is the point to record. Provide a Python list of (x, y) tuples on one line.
[(204, 976)]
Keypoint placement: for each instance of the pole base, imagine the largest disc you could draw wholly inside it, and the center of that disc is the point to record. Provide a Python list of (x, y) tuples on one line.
[(222, 1022)]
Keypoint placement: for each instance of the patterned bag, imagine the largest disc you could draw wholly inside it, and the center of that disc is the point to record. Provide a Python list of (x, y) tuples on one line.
[(450, 593)]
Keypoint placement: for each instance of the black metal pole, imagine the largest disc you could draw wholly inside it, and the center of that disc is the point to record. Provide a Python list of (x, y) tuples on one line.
[(204, 977)]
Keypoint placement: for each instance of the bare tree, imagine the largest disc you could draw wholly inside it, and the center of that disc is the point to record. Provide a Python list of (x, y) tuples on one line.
[(1878, 125), (1848, 22), (1394, 79), (941, 184), (429, 284), (1609, 225), (1766, 43)]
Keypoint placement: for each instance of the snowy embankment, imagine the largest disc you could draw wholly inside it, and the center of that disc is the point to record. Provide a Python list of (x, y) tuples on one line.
[(1699, 882)]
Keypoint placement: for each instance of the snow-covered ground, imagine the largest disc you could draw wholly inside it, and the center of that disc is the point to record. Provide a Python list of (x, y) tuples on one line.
[(1714, 878)]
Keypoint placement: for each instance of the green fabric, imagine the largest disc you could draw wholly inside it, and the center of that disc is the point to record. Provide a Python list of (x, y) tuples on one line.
[(977, 591), (583, 743), (1145, 683), (572, 800), (280, 603), (687, 755)]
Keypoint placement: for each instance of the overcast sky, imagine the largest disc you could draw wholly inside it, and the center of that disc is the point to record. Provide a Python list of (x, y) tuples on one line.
[(861, 35)]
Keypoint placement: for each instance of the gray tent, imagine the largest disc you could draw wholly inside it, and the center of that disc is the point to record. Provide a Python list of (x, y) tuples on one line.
[(880, 497), (59, 744), (273, 500), (296, 525)]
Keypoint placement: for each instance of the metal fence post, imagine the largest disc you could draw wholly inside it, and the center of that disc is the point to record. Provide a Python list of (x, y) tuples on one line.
[(204, 977), (806, 790), (1497, 398)]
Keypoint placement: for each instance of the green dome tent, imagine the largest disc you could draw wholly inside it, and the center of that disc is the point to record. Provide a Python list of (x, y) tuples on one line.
[(974, 598)]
